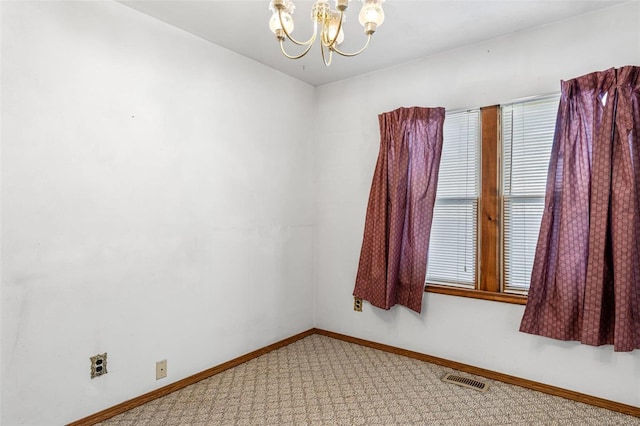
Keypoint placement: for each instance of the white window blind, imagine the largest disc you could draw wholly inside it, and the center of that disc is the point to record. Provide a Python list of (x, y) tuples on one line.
[(527, 136), (454, 233)]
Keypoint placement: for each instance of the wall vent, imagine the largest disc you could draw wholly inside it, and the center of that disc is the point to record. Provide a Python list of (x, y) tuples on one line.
[(465, 382)]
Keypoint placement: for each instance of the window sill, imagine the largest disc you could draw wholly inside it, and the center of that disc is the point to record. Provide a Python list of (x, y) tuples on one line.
[(477, 294)]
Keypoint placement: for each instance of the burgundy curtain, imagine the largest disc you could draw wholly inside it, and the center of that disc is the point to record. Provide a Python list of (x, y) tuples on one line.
[(393, 260), (585, 283)]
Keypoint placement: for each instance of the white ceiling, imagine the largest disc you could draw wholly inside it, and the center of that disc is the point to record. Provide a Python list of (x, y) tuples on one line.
[(412, 29)]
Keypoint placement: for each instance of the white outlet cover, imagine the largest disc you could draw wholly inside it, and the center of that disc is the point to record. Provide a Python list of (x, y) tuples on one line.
[(161, 369)]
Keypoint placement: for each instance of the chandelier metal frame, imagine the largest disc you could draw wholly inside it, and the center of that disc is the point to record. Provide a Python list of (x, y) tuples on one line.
[(330, 22)]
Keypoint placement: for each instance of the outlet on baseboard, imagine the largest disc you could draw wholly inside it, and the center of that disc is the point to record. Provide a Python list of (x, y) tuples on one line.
[(161, 369)]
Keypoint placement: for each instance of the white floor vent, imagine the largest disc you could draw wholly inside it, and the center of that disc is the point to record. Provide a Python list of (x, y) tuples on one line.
[(465, 382)]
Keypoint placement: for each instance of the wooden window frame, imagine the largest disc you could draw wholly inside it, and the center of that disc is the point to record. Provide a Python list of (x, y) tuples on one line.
[(488, 283)]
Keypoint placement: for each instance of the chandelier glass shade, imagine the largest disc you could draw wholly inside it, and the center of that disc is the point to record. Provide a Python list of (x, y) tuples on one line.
[(327, 25)]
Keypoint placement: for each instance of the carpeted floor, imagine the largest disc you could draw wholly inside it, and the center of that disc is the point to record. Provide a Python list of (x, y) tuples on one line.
[(323, 381)]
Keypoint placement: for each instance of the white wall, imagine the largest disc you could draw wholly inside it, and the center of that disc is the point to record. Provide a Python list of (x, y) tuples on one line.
[(152, 207), (476, 332)]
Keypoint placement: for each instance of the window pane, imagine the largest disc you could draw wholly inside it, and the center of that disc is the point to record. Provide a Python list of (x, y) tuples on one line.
[(452, 247), (454, 233), (527, 133), (522, 218), (458, 174)]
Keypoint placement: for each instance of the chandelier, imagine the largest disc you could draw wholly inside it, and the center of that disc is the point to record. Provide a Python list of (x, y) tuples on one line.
[(330, 23)]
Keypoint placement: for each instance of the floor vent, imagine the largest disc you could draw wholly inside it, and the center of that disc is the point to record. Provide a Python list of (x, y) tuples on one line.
[(465, 382)]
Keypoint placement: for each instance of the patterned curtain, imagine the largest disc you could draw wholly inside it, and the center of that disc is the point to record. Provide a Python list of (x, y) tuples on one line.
[(393, 260), (585, 283)]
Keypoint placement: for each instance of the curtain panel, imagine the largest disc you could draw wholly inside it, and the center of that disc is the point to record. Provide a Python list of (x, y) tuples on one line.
[(585, 282), (393, 259)]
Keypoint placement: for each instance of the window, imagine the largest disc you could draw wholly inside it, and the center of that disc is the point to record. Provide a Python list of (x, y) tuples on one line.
[(490, 198), (527, 136), (454, 233)]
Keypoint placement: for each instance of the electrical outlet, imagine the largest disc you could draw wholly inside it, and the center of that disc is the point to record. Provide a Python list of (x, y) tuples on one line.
[(161, 369), (98, 365), (357, 304)]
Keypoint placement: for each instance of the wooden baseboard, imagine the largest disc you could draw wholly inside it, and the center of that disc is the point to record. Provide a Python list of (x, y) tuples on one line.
[(150, 396), (512, 380)]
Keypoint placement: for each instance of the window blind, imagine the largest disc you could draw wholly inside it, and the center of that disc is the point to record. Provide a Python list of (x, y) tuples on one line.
[(454, 233), (527, 136)]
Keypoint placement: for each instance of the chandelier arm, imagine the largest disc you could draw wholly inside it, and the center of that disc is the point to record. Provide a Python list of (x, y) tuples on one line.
[(293, 40), (325, 40), (355, 53), (326, 62), (291, 56)]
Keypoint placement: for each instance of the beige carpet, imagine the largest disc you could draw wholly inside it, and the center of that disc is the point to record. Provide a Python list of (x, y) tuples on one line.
[(323, 381)]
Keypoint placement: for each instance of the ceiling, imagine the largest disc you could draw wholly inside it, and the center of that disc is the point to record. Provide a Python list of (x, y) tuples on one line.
[(411, 30)]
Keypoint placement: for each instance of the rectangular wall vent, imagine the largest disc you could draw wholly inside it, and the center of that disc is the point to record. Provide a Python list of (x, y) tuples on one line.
[(465, 382)]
